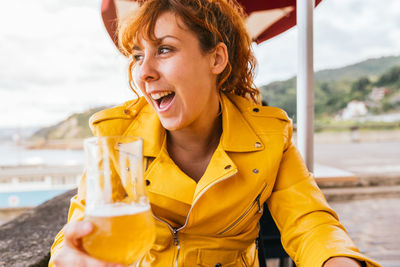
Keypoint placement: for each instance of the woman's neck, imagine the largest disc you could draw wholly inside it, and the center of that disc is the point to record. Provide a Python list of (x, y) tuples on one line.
[(191, 150), (197, 140)]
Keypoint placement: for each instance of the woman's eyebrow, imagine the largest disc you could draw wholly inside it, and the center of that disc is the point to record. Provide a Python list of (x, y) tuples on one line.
[(159, 40)]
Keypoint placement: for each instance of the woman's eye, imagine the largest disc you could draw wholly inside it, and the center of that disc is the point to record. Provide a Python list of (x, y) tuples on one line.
[(137, 57), (164, 50)]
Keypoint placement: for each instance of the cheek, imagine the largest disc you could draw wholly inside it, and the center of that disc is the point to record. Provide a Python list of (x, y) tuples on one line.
[(137, 81), (173, 72), (182, 68)]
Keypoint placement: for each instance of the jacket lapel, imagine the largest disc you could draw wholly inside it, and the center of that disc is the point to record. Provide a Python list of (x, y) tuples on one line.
[(237, 136), (166, 179), (221, 167)]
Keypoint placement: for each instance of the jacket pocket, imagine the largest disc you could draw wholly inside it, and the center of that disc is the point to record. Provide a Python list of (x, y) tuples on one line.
[(255, 207), (213, 257), (250, 256)]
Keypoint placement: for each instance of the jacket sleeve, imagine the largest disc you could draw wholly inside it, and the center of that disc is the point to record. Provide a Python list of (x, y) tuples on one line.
[(310, 230), (76, 213)]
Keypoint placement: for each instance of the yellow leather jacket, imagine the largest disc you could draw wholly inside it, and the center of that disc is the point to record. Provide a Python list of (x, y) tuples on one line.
[(216, 220)]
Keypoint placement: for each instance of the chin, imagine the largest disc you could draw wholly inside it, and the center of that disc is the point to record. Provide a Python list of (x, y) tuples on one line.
[(171, 125)]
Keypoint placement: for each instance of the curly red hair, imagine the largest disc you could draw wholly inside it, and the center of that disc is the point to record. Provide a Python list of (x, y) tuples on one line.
[(212, 21)]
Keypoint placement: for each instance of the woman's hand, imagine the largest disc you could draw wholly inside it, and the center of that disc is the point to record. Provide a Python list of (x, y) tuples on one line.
[(72, 252), (342, 262)]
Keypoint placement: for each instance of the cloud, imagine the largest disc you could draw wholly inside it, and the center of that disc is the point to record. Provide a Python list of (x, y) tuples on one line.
[(57, 59)]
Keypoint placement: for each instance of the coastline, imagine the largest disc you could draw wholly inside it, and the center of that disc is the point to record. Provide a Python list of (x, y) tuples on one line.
[(62, 144)]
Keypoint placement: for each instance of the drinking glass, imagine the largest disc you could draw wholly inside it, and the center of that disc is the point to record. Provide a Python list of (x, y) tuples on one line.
[(116, 201)]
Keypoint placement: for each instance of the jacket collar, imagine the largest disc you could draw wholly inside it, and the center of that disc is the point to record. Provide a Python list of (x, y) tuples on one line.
[(147, 125), (237, 134)]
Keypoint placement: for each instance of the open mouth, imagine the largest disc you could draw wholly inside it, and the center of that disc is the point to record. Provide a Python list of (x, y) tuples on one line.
[(163, 99)]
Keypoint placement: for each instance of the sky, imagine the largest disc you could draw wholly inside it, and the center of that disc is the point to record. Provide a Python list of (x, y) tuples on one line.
[(57, 59)]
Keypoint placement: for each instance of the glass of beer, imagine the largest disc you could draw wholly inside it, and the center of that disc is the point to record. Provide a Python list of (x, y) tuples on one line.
[(116, 201)]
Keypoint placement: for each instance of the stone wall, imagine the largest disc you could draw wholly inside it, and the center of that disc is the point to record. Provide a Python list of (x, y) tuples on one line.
[(26, 240), (7, 214)]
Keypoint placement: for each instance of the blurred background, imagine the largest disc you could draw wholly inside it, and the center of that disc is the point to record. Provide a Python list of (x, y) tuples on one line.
[(58, 66)]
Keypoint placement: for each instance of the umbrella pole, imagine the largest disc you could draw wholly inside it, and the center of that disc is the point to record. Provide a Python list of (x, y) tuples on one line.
[(305, 82)]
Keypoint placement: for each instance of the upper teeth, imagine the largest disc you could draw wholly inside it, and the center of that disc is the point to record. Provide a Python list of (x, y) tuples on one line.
[(157, 96)]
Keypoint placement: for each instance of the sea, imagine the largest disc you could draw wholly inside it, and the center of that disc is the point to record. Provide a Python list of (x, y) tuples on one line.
[(13, 156)]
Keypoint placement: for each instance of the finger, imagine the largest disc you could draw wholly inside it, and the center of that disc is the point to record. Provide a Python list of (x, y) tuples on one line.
[(92, 262), (75, 231), (71, 257)]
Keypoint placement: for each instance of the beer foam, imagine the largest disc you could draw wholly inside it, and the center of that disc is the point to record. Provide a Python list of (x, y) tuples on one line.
[(112, 210)]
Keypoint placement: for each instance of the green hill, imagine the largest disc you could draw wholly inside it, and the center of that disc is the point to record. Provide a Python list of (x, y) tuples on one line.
[(335, 88), (75, 126), (370, 67)]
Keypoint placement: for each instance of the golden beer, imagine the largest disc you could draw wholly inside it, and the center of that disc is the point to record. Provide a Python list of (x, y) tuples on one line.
[(121, 234)]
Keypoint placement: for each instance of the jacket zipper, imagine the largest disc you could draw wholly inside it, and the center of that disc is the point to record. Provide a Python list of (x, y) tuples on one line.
[(175, 231), (259, 210), (176, 243)]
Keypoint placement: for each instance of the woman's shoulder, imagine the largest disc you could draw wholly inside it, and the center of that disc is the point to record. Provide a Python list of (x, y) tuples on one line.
[(248, 107), (114, 120), (260, 113), (264, 120)]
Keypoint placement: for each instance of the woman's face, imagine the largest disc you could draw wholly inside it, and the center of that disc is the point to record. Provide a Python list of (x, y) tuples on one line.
[(175, 76)]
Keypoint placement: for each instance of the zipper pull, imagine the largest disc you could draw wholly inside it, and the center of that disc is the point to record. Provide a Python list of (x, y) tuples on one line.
[(175, 234), (259, 204)]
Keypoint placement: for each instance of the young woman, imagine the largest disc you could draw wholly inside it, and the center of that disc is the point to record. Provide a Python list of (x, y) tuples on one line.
[(214, 156)]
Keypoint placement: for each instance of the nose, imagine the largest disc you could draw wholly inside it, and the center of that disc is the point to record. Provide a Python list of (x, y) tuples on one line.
[(147, 69)]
